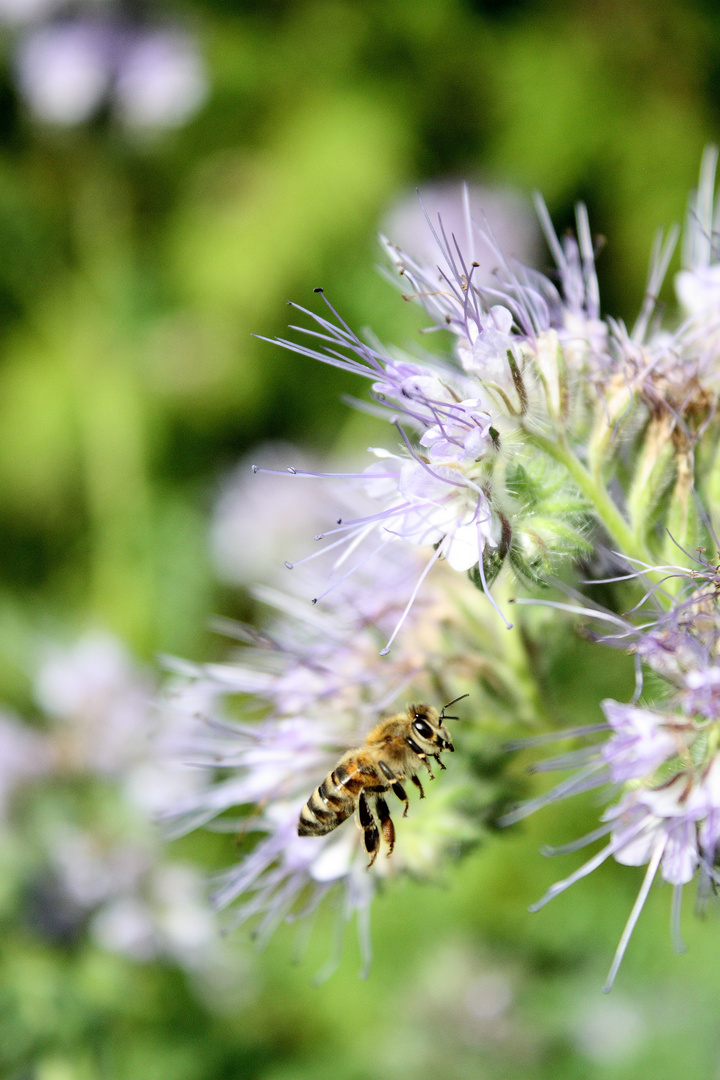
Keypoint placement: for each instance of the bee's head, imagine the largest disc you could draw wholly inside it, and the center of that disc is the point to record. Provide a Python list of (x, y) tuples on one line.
[(428, 727)]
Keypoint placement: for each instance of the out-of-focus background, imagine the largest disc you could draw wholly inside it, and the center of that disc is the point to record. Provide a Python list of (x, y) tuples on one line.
[(171, 174)]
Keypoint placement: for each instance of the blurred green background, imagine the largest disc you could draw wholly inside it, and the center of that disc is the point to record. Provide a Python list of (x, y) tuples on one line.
[(135, 267)]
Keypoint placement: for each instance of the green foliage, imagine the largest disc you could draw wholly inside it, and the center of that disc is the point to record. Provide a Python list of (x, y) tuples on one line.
[(547, 523)]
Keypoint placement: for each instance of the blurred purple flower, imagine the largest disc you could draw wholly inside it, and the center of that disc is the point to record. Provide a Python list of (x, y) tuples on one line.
[(64, 70), (22, 12), (666, 756), (253, 525), (100, 702), (309, 687), (507, 213), (160, 82), (24, 755), (152, 78)]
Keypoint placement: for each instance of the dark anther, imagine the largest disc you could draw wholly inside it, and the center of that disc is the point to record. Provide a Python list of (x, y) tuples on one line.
[(319, 289)]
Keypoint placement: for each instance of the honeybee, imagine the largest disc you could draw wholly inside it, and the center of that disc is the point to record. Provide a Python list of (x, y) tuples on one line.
[(393, 752)]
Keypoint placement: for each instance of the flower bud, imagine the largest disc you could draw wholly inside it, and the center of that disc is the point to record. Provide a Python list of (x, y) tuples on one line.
[(682, 519), (653, 472), (550, 364), (616, 400)]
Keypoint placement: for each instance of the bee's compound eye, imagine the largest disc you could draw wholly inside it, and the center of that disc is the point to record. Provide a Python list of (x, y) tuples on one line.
[(424, 730)]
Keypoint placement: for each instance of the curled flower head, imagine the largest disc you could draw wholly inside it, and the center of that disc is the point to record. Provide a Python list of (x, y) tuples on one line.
[(675, 370), (464, 483)]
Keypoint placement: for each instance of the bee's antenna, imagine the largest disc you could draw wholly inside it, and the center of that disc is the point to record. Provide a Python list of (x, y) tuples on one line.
[(444, 716)]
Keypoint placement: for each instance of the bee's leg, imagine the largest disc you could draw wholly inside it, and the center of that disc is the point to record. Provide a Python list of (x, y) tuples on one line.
[(399, 790), (437, 758), (423, 757), (416, 782), (388, 829), (372, 836)]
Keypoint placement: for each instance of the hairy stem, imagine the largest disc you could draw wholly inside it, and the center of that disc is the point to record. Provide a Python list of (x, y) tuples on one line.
[(595, 491)]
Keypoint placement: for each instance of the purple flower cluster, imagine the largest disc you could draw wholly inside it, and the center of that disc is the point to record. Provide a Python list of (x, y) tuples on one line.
[(435, 495), (664, 757), (461, 423), (533, 363), (502, 457), (69, 67), (312, 687)]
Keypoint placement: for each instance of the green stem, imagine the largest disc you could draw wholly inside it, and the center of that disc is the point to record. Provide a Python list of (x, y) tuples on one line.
[(596, 492)]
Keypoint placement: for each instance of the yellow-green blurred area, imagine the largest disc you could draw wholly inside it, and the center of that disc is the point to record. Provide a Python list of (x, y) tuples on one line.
[(135, 269)]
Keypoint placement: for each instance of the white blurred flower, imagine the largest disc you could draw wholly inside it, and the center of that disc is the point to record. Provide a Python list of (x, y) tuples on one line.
[(100, 701), (24, 754), (64, 71), (161, 81), (92, 870), (68, 69), (609, 1031), (183, 916), (699, 290), (168, 916), (698, 283), (140, 906), (255, 525), (21, 12), (125, 926)]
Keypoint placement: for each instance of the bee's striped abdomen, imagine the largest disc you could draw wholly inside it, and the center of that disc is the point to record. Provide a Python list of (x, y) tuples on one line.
[(330, 803)]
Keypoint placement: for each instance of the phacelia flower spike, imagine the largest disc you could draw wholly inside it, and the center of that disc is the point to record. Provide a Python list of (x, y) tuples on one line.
[(665, 757)]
